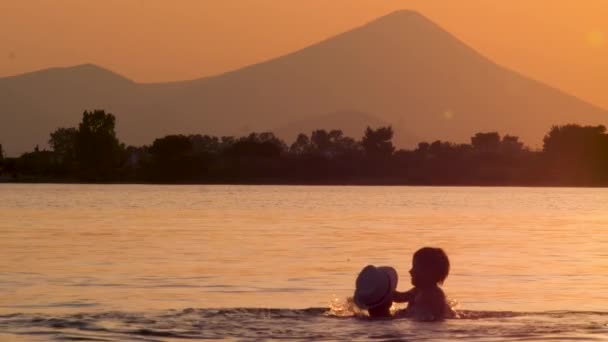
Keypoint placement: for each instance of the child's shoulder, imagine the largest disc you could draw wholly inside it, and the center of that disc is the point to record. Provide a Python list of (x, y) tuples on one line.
[(431, 298)]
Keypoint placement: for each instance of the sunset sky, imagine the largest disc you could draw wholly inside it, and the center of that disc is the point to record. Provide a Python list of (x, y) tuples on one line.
[(562, 43)]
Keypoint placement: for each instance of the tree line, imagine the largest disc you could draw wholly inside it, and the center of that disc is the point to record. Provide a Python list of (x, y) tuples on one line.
[(572, 155)]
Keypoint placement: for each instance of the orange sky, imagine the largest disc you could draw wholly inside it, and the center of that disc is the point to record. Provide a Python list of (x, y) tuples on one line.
[(563, 43)]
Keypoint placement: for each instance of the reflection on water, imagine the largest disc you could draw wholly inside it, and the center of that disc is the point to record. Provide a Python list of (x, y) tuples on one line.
[(304, 324), (69, 249)]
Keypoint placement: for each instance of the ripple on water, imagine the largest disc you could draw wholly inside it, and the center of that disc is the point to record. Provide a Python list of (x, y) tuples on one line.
[(309, 324), (74, 304)]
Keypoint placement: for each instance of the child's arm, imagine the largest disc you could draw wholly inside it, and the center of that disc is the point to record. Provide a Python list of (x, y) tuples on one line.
[(403, 297)]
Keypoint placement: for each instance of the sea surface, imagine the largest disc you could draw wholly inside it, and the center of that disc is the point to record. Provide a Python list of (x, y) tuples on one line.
[(173, 263)]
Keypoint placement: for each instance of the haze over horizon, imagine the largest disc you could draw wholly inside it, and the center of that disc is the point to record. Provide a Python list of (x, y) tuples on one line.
[(560, 43), (401, 69)]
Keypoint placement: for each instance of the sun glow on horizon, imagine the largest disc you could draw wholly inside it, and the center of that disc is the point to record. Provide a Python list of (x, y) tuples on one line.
[(155, 41)]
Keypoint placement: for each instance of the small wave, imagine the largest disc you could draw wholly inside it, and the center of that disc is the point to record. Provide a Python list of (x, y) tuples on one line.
[(310, 324), (52, 305)]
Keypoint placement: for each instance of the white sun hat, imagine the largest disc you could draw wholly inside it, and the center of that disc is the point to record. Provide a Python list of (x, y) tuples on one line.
[(375, 286)]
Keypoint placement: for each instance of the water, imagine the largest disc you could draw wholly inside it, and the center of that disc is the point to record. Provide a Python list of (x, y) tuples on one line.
[(166, 263)]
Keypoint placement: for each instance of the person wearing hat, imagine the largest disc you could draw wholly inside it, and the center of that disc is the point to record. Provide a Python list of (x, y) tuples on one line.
[(374, 290)]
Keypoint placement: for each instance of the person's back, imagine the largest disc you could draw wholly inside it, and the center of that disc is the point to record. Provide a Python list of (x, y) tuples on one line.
[(427, 304), (426, 301)]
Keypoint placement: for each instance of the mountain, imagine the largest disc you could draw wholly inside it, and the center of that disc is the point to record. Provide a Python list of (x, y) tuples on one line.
[(402, 67), (33, 105)]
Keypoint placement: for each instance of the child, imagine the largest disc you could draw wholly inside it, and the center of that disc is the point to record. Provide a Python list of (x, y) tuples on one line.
[(374, 290), (426, 301)]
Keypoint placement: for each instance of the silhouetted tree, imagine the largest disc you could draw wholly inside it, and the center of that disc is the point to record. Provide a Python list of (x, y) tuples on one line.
[(423, 147), (135, 157), (258, 145), (171, 146), (301, 145), (269, 137), (205, 144), (2, 167), (574, 140), (378, 143), (572, 155), (577, 152), (37, 163), (319, 142), (510, 144), (226, 142), (325, 144), (486, 142), (171, 157), (440, 148), (63, 142), (335, 135), (341, 145), (97, 148)]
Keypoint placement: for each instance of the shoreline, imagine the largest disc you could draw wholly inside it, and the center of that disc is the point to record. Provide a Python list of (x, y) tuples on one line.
[(360, 183)]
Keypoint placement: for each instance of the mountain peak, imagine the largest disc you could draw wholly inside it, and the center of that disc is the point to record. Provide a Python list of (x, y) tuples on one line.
[(404, 13), (88, 67), (403, 17), (94, 71), (401, 27), (402, 67)]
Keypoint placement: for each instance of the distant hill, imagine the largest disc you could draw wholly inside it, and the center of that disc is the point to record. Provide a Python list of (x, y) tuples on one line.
[(402, 67), (34, 104)]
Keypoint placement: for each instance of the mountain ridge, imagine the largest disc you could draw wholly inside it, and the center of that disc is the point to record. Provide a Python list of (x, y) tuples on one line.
[(402, 67), (88, 68)]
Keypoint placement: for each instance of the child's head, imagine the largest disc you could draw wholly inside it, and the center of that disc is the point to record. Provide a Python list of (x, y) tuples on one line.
[(430, 267), (374, 289)]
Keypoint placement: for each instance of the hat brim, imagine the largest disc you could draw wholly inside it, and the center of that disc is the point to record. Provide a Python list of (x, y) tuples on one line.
[(391, 274)]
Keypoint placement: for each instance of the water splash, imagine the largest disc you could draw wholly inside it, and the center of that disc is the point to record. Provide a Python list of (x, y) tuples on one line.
[(344, 307)]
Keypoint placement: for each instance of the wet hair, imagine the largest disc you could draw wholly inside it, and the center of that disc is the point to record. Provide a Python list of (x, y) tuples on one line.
[(435, 261)]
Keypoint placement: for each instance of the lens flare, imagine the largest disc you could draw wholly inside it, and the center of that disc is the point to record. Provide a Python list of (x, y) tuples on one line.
[(596, 38)]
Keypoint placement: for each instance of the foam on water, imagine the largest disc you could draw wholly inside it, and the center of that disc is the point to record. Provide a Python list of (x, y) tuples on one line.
[(303, 324)]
